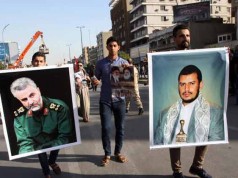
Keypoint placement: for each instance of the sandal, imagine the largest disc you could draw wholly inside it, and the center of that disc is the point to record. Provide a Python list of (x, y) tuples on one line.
[(105, 160), (120, 158), (55, 167)]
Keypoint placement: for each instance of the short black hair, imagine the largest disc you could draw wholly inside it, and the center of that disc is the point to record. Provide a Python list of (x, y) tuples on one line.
[(179, 27), (189, 70), (112, 39), (115, 68), (38, 54)]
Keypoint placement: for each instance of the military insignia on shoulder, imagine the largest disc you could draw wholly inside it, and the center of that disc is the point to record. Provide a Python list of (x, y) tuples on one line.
[(19, 111), (55, 107)]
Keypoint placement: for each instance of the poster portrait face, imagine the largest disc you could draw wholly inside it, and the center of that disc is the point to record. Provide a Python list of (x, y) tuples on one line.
[(39, 112), (188, 97), (122, 77)]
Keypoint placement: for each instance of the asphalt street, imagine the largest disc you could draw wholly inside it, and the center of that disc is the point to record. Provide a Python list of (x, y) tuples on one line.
[(84, 160)]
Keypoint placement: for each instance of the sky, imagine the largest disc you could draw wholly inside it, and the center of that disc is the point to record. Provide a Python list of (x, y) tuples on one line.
[(57, 19)]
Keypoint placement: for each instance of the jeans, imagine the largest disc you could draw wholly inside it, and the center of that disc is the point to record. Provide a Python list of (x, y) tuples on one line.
[(44, 162), (198, 159), (106, 110)]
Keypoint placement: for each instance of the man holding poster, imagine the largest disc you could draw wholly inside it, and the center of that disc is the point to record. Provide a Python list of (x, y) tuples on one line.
[(40, 123), (181, 35), (111, 102)]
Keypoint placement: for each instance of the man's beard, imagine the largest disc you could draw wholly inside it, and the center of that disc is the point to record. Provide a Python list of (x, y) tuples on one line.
[(126, 77), (184, 45), (35, 106), (192, 99)]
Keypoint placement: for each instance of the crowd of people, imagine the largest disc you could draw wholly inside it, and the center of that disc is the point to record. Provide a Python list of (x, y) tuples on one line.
[(106, 73)]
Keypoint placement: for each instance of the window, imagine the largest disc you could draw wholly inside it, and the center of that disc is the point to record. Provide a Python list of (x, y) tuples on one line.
[(228, 9), (218, 8), (224, 38), (163, 18), (162, 8)]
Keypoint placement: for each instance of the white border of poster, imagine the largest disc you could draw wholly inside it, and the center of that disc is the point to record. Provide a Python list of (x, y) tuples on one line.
[(54, 82), (164, 69)]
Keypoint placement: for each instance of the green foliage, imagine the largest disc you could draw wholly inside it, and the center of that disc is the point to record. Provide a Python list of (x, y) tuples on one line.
[(124, 55), (2, 66)]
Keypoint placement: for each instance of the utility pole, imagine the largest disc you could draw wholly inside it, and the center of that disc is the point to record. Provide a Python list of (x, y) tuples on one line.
[(3, 31), (69, 52), (5, 56), (80, 27)]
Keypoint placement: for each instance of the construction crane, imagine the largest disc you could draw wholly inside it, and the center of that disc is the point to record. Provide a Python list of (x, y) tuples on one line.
[(42, 48)]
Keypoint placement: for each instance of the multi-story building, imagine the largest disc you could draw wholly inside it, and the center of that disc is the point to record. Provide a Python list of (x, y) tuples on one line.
[(92, 55), (84, 56), (101, 43), (150, 15), (120, 17), (217, 35)]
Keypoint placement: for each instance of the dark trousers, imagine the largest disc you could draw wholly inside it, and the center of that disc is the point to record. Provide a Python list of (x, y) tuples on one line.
[(45, 162), (198, 159), (106, 110)]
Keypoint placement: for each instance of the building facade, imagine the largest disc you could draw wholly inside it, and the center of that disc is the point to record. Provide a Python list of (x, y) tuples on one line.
[(156, 15), (120, 18), (203, 35), (101, 44), (92, 55)]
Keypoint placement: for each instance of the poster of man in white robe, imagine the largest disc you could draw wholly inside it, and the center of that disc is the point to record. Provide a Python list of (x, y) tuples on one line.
[(188, 97)]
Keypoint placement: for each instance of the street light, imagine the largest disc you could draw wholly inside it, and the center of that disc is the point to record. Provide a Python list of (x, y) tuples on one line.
[(4, 30), (5, 56), (80, 27), (69, 52)]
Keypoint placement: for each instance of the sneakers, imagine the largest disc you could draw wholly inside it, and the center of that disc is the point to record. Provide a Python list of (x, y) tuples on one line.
[(141, 110), (199, 172), (178, 175)]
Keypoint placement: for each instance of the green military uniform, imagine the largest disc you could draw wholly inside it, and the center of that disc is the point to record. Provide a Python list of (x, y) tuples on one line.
[(49, 127)]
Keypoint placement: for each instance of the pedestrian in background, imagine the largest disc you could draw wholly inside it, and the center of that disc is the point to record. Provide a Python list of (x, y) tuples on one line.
[(92, 75), (135, 92), (110, 103), (82, 91)]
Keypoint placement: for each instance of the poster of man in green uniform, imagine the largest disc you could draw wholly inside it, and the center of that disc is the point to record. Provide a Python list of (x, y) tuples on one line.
[(42, 121)]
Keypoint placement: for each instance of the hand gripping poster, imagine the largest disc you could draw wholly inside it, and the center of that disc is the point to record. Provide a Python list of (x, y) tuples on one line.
[(188, 97), (38, 108)]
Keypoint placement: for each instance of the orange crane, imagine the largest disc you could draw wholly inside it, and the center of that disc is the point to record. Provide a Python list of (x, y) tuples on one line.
[(42, 48)]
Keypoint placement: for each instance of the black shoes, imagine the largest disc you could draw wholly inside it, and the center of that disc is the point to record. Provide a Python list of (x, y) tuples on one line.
[(195, 171), (199, 172), (141, 110), (178, 175)]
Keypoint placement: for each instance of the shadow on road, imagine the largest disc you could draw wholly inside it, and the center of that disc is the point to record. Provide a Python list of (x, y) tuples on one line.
[(36, 173)]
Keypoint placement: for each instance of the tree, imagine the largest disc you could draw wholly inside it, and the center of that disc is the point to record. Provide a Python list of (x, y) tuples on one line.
[(124, 55), (2, 66)]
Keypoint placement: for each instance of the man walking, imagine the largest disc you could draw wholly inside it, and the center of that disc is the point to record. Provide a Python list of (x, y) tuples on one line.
[(110, 102), (181, 36)]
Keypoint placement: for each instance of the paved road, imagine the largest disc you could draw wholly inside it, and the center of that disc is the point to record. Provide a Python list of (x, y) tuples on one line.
[(83, 160)]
